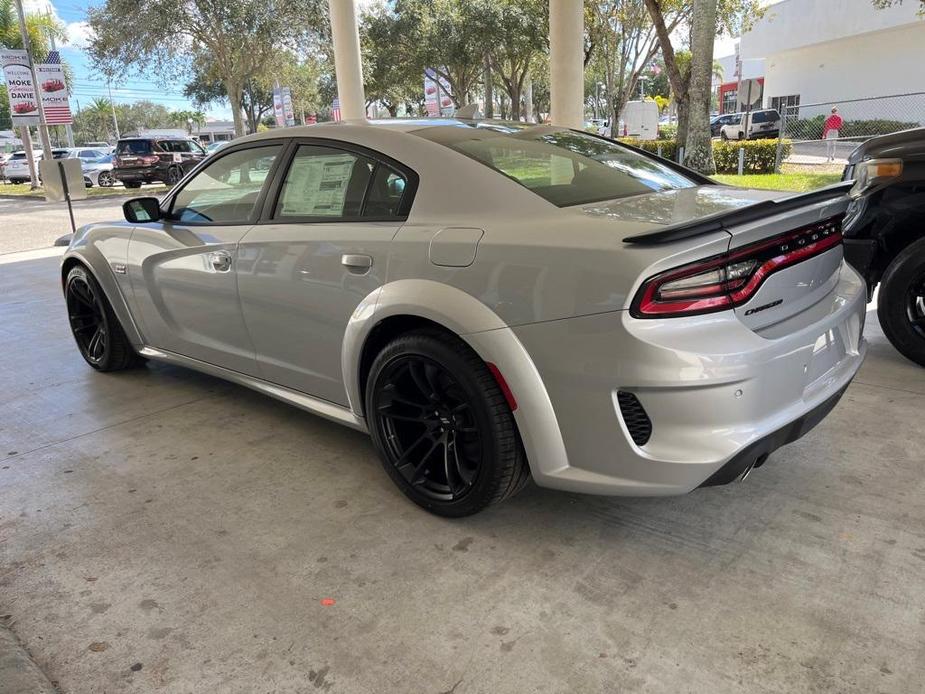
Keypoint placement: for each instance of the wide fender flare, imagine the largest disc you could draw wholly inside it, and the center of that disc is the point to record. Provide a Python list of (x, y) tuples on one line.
[(91, 257), (488, 335)]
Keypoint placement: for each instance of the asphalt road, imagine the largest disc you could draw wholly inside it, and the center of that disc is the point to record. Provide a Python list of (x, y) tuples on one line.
[(27, 223)]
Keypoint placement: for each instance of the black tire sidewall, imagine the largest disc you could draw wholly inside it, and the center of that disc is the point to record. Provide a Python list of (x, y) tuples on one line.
[(80, 273), (891, 302), (484, 487)]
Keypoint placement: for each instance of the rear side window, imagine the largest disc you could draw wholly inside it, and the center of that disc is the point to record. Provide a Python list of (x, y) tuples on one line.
[(764, 116), (134, 147), (565, 167), (179, 146), (326, 182)]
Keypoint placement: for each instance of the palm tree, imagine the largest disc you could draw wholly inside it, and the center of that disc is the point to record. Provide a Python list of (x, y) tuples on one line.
[(40, 28), (96, 119)]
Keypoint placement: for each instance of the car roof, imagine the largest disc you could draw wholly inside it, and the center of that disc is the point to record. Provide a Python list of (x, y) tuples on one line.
[(404, 125)]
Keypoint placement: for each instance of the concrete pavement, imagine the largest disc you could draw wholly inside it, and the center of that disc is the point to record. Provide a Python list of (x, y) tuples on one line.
[(29, 223), (163, 531)]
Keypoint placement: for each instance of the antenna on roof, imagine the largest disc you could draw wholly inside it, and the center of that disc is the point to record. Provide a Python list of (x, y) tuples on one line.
[(469, 111)]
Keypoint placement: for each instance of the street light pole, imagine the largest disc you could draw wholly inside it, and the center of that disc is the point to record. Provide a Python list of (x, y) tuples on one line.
[(43, 128), (112, 105)]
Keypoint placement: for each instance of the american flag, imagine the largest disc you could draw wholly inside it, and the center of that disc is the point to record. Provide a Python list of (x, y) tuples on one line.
[(59, 112), (335, 110)]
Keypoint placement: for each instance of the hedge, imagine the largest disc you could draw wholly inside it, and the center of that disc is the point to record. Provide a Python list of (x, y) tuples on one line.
[(760, 155)]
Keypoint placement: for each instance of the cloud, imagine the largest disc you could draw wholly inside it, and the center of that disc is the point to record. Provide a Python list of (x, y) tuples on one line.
[(78, 34)]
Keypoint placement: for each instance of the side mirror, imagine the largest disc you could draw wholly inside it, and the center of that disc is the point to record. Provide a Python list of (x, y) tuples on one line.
[(139, 210)]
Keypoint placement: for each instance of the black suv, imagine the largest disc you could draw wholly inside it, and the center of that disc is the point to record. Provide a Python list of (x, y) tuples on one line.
[(148, 159), (884, 232)]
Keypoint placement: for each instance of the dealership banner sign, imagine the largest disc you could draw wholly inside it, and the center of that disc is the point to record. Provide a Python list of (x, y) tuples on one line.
[(437, 100), (288, 111), (53, 88), (24, 106)]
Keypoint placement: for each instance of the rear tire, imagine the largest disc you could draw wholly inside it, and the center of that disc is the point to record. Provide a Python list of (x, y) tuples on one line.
[(901, 303), (132, 184), (442, 427), (96, 330), (723, 136), (105, 179)]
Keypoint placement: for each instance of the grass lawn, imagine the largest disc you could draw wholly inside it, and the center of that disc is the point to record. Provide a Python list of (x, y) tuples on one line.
[(23, 190), (798, 182)]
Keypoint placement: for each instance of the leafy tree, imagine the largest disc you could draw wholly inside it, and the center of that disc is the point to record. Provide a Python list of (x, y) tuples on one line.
[(733, 17), (94, 121), (256, 96), (627, 42), (517, 31), (445, 35), (240, 37), (391, 79)]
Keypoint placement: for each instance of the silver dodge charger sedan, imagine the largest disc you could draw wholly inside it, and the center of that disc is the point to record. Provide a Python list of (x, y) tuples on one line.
[(491, 301)]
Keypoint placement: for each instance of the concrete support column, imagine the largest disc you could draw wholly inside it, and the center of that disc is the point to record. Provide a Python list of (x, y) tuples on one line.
[(566, 64), (347, 62)]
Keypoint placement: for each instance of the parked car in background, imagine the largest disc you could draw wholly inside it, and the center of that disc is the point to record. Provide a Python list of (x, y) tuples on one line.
[(885, 233), (754, 125), (213, 147), (88, 154), (17, 166), (489, 300), (99, 172), (155, 159), (717, 122)]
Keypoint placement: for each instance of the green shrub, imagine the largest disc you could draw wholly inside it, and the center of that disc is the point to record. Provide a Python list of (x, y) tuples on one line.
[(760, 155), (668, 132)]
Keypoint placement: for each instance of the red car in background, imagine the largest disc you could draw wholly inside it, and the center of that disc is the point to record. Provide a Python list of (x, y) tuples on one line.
[(52, 86), (25, 107)]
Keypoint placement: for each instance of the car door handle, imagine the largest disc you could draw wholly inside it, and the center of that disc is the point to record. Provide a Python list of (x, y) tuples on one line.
[(220, 261), (356, 261)]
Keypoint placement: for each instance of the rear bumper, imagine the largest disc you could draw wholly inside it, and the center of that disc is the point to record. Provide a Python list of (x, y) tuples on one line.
[(141, 173), (717, 393)]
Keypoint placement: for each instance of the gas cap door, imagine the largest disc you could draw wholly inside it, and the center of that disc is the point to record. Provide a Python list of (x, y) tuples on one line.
[(455, 246)]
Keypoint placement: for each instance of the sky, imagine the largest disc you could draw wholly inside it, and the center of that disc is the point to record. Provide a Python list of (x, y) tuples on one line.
[(89, 84)]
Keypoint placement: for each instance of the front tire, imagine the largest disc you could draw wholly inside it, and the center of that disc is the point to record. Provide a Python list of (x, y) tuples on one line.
[(132, 184), (901, 303), (442, 426), (96, 330), (105, 180)]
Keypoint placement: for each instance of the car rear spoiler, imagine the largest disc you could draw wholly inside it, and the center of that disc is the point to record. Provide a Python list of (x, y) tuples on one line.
[(742, 215)]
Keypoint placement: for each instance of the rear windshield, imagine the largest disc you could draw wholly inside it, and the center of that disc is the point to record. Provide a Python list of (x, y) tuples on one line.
[(134, 147), (60, 154), (19, 156), (764, 116), (565, 167), (179, 146)]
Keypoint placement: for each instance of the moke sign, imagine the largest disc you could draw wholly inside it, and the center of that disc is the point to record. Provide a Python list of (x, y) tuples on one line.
[(23, 103)]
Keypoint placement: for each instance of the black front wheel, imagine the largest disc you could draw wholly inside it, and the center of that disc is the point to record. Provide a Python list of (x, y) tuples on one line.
[(442, 426), (901, 302), (132, 184), (174, 174), (99, 336)]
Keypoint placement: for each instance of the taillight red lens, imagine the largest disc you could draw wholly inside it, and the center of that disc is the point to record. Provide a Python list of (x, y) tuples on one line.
[(731, 279)]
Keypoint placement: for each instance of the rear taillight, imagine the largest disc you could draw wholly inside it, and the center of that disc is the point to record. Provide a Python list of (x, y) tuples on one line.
[(731, 279), (150, 159)]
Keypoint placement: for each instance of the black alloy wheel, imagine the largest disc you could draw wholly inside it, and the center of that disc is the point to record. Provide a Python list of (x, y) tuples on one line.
[(427, 422), (88, 323), (901, 302), (442, 426), (174, 174), (97, 332)]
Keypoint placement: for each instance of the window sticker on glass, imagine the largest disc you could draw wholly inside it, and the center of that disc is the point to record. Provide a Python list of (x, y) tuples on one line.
[(316, 185)]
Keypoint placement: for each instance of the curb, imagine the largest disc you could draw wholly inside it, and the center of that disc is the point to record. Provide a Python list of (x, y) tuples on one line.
[(18, 672)]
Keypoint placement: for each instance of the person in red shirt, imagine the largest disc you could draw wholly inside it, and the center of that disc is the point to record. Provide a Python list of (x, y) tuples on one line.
[(830, 132)]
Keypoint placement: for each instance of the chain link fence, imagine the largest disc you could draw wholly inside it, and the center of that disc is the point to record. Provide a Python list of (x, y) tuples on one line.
[(804, 125)]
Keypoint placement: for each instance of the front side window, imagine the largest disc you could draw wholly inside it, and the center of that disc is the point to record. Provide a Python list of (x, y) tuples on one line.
[(332, 183), (226, 191), (565, 167)]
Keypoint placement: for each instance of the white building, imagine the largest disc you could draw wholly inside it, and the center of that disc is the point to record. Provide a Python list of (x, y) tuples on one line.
[(834, 51)]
